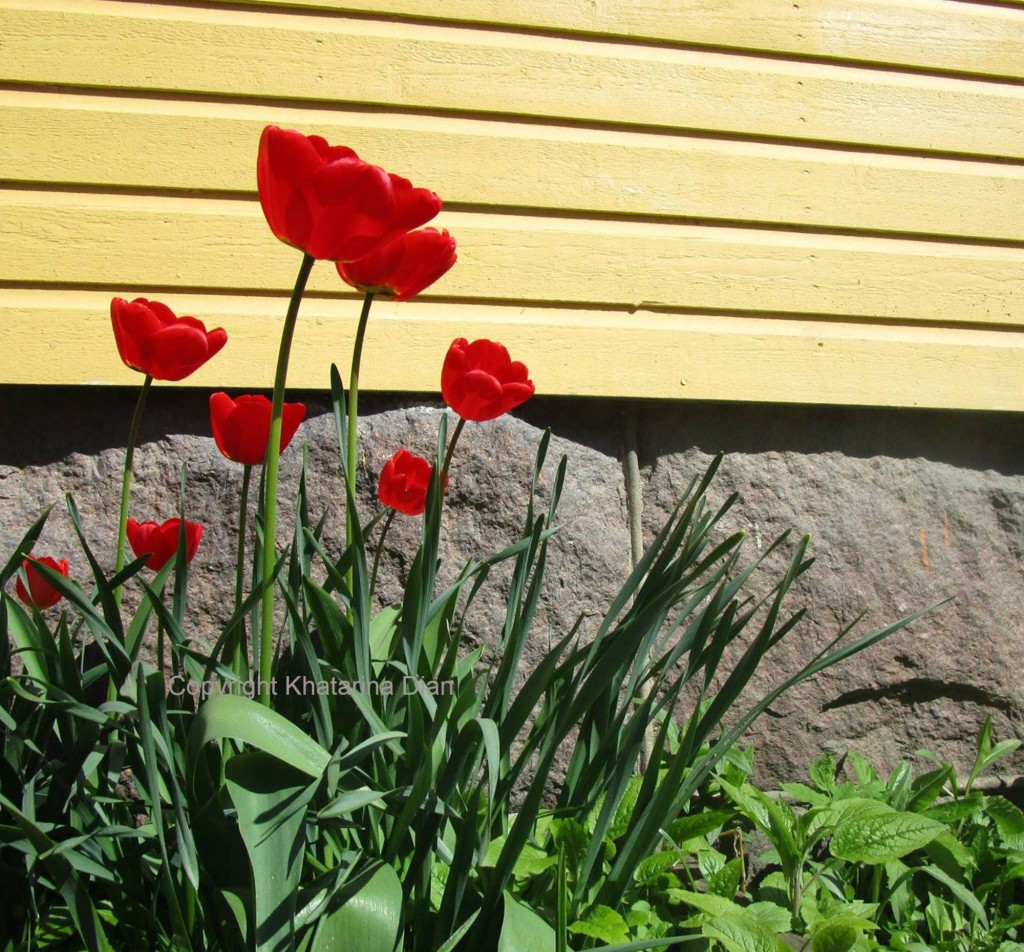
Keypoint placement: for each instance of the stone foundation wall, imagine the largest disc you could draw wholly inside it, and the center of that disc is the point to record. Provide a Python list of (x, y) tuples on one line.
[(904, 509)]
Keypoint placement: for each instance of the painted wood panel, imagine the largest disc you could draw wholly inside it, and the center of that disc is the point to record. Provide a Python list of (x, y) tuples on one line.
[(696, 356), (212, 51), (527, 166), (937, 35), (810, 203), (51, 239)]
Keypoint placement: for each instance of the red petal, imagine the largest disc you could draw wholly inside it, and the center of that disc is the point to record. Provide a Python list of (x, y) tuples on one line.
[(477, 396), (133, 323), (249, 429), (175, 352), (293, 415), (221, 406)]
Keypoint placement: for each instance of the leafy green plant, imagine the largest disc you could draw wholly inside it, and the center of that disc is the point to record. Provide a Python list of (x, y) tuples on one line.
[(908, 863), (368, 784)]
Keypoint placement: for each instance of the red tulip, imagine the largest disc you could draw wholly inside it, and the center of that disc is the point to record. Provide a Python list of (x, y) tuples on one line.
[(152, 340), (403, 267), (480, 382), (241, 427), (40, 592), (160, 540), (326, 201), (404, 481)]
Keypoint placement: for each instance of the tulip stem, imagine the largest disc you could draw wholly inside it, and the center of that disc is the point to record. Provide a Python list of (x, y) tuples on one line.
[(443, 475), (270, 471), (353, 395), (352, 455), (238, 655), (380, 548), (126, 482)]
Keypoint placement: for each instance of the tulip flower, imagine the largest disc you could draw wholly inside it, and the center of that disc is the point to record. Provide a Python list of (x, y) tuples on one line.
[(152, 340), (40, 593), (160, 540), (404, 481), (241, 427), (480, 382), (403, 267), (329, 203)]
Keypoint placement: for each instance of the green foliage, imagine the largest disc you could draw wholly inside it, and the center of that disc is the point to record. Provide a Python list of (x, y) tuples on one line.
[(396, 794), (909, 863)]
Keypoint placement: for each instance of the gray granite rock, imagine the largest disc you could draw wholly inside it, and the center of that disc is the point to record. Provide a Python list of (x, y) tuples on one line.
[(890, 536), (900, 516), (491, 481)]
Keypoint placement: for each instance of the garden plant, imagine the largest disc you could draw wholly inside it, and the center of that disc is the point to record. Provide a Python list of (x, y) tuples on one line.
[(332, 774)]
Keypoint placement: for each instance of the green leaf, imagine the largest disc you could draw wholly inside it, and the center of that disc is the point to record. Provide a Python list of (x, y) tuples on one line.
[(863, 768), (271, 802), (774, 917), (834, 936), (698, 825), (966, 896), (73, 890), (712, 905), (382, 630), (743, 934), (955, 810), (522, 930), (823, 772), (228, 715), (369, 918), (1009, 820), (949, 853), (24, 547), (624, 811), (805, 794), (33, 645), (351, 800), (655, 866), (651, 943), (451, 944), (882, 837), (988, 753), (603, 923), (726, 881)]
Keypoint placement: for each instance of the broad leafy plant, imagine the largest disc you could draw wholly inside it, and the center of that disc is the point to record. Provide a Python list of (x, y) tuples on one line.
[(910, 863)]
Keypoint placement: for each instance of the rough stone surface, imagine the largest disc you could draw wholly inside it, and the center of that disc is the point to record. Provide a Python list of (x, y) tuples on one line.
[(904, 509), (891, 535), (490, 486)]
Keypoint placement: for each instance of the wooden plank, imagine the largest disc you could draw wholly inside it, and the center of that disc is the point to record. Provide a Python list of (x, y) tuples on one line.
[(168, 242), (924, 34), (65, 338), (189, 51), (167, 145)]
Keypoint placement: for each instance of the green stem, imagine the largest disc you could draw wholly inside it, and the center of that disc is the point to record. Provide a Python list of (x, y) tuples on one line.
[(126, 481), (243, 518), (380, 548), (352, 454), (243, 506), (450, 453), (270, 471), (353, 397)]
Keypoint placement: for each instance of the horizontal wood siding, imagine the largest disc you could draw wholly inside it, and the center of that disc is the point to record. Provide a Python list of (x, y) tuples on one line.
[(819, 202)]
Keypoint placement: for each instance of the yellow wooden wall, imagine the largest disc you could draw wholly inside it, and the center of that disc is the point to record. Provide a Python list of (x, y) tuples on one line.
[(812, 201)]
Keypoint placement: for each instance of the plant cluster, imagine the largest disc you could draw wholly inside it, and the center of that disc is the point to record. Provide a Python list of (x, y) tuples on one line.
[(912, 863), (333, 776)]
